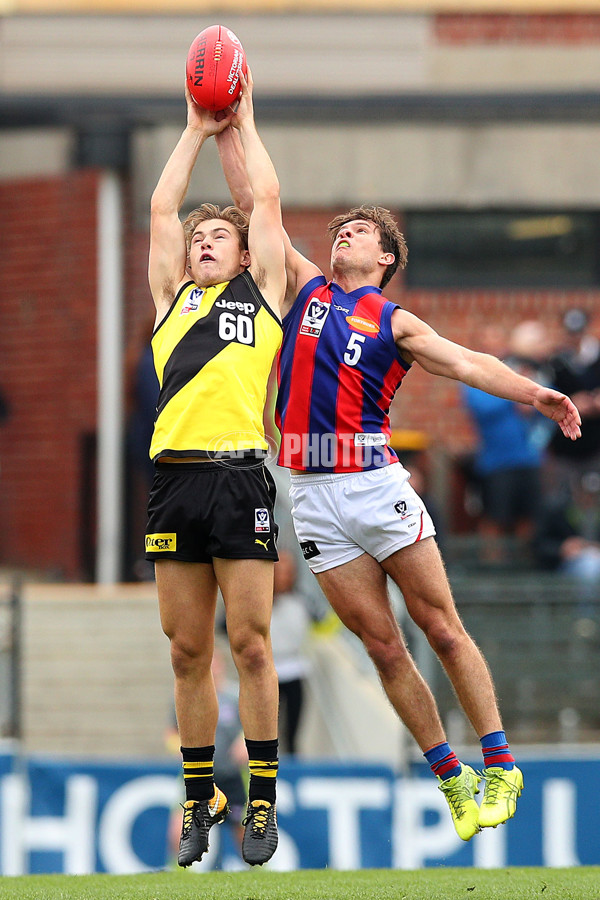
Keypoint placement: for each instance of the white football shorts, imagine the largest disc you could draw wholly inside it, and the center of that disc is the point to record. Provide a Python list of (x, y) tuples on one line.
[(338, 517)]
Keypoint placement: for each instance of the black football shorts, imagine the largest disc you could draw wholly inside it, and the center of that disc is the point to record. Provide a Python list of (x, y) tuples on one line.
[(200, 510)]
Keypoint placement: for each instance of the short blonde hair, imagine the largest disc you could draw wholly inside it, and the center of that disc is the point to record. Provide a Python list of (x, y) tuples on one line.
[(392, 239), (231, 214)]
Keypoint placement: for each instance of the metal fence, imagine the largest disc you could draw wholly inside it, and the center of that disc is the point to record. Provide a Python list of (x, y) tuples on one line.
[(540, 635)]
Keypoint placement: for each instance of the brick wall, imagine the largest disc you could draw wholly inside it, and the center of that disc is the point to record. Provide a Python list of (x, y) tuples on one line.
[(48, 367), (559, 29), (48, 359), (47, 301)]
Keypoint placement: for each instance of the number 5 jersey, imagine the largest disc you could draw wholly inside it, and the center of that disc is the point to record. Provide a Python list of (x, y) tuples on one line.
[(338, 371)]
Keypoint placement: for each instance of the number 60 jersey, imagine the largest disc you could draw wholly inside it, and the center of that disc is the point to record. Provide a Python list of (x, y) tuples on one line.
[(213, 353), (338, 371)]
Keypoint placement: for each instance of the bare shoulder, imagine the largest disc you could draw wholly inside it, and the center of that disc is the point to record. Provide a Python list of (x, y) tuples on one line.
[(405, 324)]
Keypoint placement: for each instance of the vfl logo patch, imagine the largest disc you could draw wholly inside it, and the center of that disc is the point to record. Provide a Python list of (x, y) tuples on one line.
[(314, 318), (401, 507), (192, 304), (262, 543), (262, 520), (158, 543), (309, 549)]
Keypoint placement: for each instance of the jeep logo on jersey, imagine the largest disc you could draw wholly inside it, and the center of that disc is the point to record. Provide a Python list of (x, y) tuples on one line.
[(192, 304), (314, 318), (236, 322), (364, 325), (261, 520)]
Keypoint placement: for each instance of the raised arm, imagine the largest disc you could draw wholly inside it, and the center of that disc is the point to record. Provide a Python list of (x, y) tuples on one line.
[(419, 342), (168, 252), (299, 270), (265, 234)]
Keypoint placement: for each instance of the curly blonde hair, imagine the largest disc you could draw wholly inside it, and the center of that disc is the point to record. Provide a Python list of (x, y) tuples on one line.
[(231, 214), (392, 239)]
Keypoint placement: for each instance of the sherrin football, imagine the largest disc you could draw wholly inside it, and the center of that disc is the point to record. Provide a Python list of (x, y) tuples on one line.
[(213, 66)]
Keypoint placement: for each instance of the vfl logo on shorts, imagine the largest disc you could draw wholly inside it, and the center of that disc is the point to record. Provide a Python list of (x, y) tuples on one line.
[(314, 318), (401, 508), (158, 543), (262, 521), (309, 549)]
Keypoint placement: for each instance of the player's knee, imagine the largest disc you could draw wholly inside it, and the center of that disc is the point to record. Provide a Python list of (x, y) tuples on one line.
[(250, 652), (388, 655), (188, 657), (445, 640)]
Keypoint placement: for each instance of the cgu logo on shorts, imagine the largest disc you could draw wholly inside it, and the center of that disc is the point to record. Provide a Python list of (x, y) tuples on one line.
[(261, 520), (314, 318), (158, 543), (192, 304)]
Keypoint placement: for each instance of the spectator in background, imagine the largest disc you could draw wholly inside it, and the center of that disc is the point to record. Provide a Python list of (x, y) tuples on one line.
[(4, 408), (419, 481), (290, 624), (576, 369), (141, 395), (568, 538), (529, 350), (509, 456)]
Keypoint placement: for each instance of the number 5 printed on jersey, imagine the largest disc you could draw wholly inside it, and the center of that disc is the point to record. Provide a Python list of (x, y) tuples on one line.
[(354, 348)]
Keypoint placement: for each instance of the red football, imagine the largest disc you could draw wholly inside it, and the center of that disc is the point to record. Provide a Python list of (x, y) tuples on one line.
[(213, 68)]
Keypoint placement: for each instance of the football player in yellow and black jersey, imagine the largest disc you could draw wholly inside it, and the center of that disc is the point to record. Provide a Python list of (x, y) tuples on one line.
[(218, 281)]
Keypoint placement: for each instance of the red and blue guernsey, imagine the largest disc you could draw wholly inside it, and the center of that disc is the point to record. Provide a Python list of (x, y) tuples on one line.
[(338, 371)]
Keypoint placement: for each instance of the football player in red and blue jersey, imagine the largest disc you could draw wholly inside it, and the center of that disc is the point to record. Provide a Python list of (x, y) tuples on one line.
[(345, 352)]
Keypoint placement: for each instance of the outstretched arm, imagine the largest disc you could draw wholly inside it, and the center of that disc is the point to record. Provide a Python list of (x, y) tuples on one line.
[(418, 341), (168, 252)]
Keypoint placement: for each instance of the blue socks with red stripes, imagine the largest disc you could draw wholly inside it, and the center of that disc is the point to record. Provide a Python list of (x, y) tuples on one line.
[(443, 762), (496, 751)]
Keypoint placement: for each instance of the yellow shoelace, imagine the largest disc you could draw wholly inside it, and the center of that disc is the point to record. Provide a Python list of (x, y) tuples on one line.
[(188, 817), (259, 817)]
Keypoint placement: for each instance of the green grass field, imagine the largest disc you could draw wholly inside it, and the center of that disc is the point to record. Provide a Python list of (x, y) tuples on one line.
[(366, 884)]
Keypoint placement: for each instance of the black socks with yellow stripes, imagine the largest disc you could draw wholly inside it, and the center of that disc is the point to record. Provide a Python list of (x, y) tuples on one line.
[(263, 764), (198, 772)]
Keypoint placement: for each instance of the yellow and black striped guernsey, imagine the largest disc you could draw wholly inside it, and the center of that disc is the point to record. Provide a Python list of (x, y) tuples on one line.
[(213, 353)]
